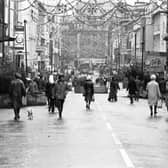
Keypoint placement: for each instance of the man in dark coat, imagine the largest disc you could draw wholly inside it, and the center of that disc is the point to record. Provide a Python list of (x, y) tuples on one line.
[(17, 91), (50, 93), (88, 91), (61, 90), (114, 87), (132, 88), (138, 86)]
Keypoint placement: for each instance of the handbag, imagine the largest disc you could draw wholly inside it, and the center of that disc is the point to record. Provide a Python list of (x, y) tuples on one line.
[(24, 100), (93, 98), (160, 103), (57, 102)]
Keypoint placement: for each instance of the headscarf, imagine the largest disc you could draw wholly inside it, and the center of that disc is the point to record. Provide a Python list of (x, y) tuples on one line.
[(51, 79), (153, 77)]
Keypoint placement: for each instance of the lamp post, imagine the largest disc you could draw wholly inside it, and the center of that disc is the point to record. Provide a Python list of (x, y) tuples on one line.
[(166, 37), (25, 22), (167, 40), (135, 46), (143, 44), (3, 30)]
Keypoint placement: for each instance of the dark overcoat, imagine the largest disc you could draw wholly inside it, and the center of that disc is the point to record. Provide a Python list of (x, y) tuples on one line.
[(17, 91), (88, 90)]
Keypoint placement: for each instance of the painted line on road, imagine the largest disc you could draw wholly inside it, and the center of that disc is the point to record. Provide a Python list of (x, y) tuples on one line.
[(126, 158), (109, 126), (116, 140), (122, 151)]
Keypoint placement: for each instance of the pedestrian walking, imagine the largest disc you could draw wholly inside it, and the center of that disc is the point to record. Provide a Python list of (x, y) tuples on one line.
[(17, 91), (131, 89), (166, 94), (61, 90), (41, 84), (153, 93), (162, 87), (32, 87), (50, 94), (114, 87), (88, 92), (138, 86)]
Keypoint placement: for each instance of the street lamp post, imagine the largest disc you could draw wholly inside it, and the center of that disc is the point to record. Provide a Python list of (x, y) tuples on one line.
[(143, 44), (3, 31), (25, 22), (167, 40)]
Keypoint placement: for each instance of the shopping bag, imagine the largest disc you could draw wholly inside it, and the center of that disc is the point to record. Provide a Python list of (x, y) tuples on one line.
[(57, 102), (93, 98), (159, 104), (24, 100)]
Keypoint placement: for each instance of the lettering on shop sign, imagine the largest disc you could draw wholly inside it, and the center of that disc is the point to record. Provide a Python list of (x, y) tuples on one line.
[(155, 62)]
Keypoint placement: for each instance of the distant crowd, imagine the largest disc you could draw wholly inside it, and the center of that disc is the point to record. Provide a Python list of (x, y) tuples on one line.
[(56, 87)]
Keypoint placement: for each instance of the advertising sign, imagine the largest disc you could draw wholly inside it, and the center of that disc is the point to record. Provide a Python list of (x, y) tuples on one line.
[(19, 35)]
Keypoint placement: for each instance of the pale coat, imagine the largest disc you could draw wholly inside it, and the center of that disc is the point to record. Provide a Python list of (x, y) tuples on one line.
[(153, 92)]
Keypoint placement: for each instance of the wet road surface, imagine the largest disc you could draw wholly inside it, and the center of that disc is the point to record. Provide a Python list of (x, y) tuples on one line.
[(117, 135)]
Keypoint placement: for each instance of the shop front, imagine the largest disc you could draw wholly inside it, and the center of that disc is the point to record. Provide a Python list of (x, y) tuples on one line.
[(155, 64)]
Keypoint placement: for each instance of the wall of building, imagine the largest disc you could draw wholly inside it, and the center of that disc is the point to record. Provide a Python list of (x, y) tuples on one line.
[(31, 17)]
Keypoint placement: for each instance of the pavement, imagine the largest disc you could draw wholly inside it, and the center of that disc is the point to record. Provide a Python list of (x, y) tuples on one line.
[(110, 135)]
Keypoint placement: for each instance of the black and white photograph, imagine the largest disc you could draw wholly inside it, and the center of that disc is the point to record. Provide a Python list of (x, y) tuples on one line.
[(83, 83)]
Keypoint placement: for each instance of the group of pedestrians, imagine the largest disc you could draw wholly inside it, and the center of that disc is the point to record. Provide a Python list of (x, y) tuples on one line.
[(156, 90), (56, 92)]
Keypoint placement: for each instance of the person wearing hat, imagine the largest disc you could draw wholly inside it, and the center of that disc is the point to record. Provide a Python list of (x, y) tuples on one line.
[(17, 91), (153, 93)]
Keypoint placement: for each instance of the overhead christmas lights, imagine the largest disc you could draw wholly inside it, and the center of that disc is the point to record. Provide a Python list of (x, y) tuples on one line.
[(84, 10)]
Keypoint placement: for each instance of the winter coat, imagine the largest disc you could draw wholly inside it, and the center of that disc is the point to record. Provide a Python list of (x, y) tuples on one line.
[(114, 86), (32, 88), (162, 86), (50, 90), (88, 89), (153, 92), (17, 91), (138, 84), (61, 89), (132, 88)]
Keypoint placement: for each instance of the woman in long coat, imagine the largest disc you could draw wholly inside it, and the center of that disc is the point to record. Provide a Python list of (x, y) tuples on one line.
[(132, 88), (88, 91), (114, 87), (50, 93), (153, 93), (17, 91)]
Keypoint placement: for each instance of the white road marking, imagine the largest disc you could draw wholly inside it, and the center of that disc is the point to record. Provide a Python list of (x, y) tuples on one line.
[(126, 158), (109, 126), (123, 153), (116, 140)]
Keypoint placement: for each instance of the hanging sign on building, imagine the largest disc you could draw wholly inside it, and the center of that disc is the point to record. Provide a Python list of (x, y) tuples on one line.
[(155, 64), (19, 35)]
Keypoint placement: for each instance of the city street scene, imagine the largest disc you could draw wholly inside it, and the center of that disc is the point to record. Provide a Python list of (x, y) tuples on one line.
[(83, 83)]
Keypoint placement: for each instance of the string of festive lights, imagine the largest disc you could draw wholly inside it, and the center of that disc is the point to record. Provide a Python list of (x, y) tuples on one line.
[(81, 10)]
